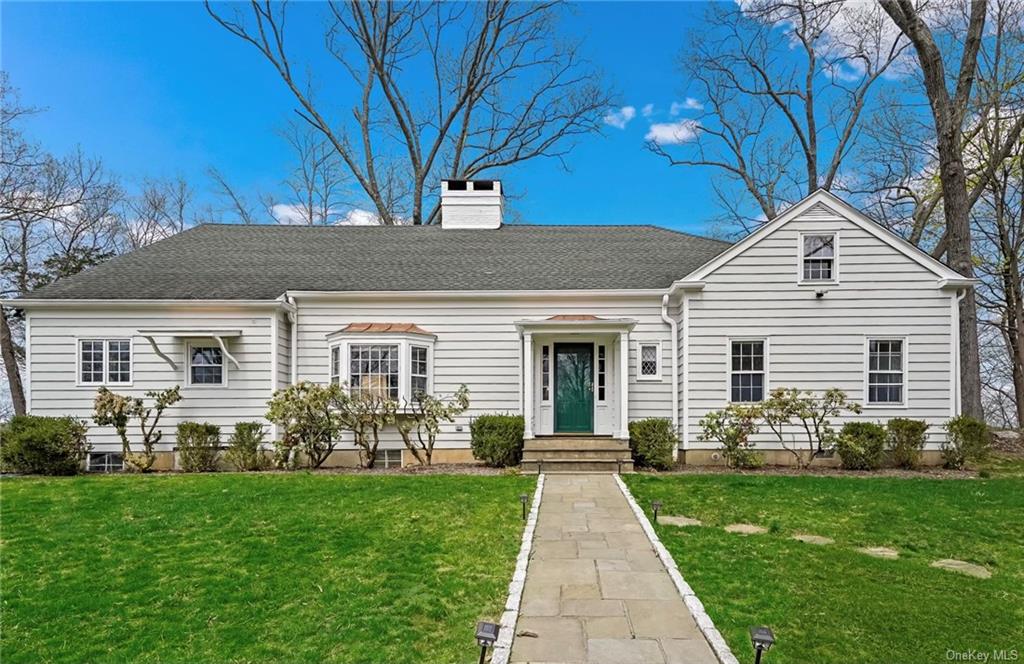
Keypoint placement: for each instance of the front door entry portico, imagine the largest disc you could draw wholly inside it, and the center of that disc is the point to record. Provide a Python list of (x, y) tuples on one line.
[(574, 388)]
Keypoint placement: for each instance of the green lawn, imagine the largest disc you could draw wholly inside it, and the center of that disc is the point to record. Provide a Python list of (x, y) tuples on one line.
[(831, 603), (259, 567)]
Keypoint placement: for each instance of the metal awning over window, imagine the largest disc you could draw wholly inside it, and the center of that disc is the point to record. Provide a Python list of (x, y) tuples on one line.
[(219, 336)]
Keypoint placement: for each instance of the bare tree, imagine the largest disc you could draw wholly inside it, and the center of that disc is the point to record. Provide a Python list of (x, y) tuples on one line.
[(507, 90), (160, 209), (784, 85), (949, 110), (316, 185), (56, 219)]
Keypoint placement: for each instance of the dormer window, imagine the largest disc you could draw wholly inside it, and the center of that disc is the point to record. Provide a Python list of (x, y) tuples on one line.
[(818, 257)]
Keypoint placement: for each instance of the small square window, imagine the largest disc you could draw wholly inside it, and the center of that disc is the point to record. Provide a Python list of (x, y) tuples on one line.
[(105, 361), (206, 365)]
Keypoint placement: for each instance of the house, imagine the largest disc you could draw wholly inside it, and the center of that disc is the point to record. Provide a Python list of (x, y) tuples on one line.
[(579, 328)]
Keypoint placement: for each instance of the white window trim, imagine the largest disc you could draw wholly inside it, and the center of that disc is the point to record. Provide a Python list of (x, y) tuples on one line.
[(905, 404), (728, 368), (639, 361), (188, 365), (88, 462), (106, 360), (800, 259), (404, 343)]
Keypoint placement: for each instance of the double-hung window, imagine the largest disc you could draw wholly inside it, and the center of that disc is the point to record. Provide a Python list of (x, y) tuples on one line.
[(818, 257), (205, 365), (746, 370), (886, 371), (418, 368), (104, 361), (373, 369)]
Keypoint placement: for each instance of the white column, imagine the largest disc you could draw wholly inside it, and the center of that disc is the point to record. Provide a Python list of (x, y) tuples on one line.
[(623, 384), (528, 384)]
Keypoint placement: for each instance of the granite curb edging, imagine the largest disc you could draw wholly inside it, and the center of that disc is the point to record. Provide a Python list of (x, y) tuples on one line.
[(704, 622), (510, 616)]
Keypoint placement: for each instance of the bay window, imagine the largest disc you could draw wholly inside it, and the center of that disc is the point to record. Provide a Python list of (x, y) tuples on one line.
[(395, 366)]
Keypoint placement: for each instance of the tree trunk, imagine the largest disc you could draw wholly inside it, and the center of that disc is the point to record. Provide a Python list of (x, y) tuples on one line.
[(11, 365)]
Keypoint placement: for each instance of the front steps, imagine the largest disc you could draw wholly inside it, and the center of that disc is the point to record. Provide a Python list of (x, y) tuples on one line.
[(576, 454)]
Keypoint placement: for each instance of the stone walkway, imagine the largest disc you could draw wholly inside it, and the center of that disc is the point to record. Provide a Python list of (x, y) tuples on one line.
[(596, 591)]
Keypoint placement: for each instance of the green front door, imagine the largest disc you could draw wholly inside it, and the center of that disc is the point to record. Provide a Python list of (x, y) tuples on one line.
[(574, 388)]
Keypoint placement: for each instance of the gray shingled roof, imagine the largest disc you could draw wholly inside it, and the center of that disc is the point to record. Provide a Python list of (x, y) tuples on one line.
[(224, 261)]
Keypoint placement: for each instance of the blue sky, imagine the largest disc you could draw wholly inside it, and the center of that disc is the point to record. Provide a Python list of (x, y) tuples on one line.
[(158, 89)]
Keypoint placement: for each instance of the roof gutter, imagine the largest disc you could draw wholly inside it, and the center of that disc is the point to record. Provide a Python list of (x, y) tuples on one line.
[(36, 303)]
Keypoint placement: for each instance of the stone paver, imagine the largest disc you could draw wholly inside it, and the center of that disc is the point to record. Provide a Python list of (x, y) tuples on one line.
[(745, 529), (880, 552), (682, 521), (963, 567), (814, 539), (595, 589)]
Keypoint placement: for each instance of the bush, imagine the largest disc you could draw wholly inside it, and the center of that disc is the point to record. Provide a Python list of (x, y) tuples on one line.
[(733, 428), (497, 440), (117, 410), (906, 440), (969, 440), (861, 445), (311, 417), (198, 445), (43, 445), (245, 447), (653, 443)]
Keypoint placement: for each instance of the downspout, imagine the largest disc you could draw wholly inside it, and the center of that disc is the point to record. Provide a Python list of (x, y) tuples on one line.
[(674, 327), (293, 319)]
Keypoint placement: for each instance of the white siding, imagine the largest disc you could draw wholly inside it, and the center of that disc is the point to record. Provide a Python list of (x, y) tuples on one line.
[(53, 348), (478, 344), (284, 350), (818, 343)]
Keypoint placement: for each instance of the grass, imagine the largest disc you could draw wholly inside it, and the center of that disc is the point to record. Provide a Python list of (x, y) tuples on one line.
[(261, 567), (832, 603)]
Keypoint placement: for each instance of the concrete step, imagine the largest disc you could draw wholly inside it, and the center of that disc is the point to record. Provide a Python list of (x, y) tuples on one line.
[(576, 443), (577, 466), (585, 454)]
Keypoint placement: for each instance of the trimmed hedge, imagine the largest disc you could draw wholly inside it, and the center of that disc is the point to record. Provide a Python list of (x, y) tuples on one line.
[(861, 445), (906, 440), (969, 440), (43, 445), (653, 443), (198, 445), (245, 447), (497, 439)]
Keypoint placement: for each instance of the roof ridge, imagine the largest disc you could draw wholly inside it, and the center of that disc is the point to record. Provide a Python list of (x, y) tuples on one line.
[(504, 226)]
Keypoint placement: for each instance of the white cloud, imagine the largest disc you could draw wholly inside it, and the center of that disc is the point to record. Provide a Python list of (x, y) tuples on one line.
[(673, 133), (358, 217), (647, 110), (621, 117), (288, 214), (688, 104)]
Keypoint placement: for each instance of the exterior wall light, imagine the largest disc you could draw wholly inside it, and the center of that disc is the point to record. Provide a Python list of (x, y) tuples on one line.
[(762, 639), (486, 635), (655, 505), (523, 498)]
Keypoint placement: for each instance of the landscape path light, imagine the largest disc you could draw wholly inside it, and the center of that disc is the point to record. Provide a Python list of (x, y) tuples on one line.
[(655, 505), (523, 498), (762, 639), (486, 635)]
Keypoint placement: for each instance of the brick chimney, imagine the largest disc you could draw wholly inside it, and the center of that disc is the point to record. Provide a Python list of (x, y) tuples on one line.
[(473, 204)]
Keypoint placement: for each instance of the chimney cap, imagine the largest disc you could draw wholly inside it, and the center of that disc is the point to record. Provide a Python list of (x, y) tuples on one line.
[(451, 184)]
